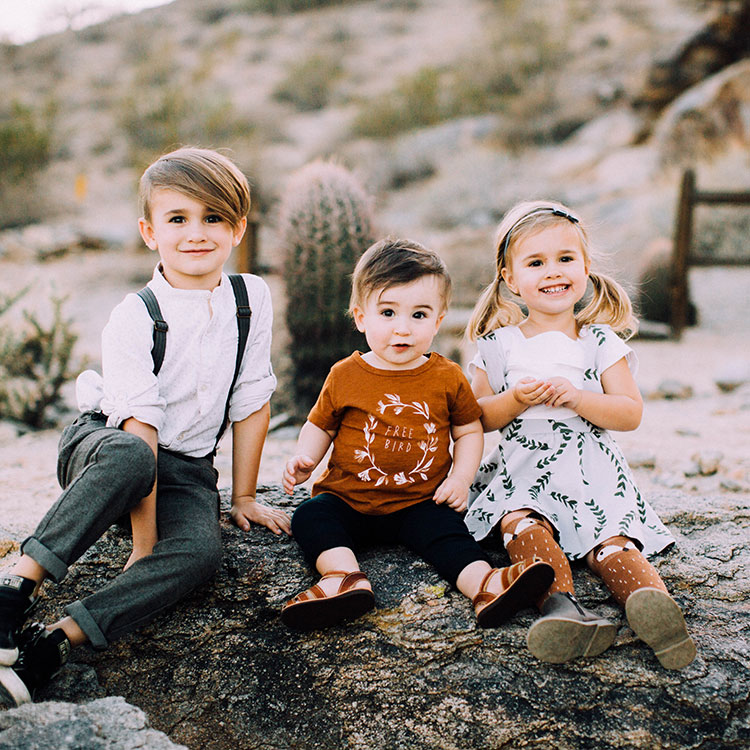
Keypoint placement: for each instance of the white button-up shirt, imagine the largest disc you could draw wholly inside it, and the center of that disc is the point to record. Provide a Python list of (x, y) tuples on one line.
[(185, 402)]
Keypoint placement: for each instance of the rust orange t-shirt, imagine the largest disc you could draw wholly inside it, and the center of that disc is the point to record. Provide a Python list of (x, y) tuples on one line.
[(391, 448)]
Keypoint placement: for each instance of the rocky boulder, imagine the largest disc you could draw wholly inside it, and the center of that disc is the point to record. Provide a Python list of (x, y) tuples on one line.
[(221, 672), (104, 724), (721, 42), (708, 119)]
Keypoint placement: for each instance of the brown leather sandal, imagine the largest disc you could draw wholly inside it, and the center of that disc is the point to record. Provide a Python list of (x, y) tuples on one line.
[(523, 584), (313, 609)]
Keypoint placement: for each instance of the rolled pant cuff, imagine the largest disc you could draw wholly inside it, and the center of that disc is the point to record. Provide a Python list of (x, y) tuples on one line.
[(55, 567), (85, 622)]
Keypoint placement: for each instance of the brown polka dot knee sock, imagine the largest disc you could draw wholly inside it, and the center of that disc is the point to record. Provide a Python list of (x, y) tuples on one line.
[(624, 569), (528, 537)]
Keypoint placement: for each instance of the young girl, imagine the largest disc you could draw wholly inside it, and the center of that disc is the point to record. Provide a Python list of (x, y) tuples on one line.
[(554, 381)]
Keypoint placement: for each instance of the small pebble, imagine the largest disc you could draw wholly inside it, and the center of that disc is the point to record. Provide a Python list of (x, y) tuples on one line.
[(732, 376), (708, 462), (731, 486), (672, 390), (671, 481), (642, 460)]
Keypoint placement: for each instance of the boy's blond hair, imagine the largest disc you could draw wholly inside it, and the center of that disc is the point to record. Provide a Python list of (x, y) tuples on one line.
[(202, 174), (609, 303), (391, 262)]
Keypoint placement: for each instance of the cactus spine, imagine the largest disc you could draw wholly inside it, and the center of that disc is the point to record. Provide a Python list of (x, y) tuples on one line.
[(325, 224)]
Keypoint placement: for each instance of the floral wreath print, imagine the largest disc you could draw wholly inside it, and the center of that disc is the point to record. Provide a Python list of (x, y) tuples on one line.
[(428, 446)]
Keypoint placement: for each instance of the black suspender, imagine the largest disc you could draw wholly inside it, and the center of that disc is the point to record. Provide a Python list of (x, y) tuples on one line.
[(243, 330), (160, 327), (244, 313)]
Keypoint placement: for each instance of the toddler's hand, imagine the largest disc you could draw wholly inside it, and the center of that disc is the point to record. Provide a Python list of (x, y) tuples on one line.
[(297, 470), (453, 492), (246, 510), (565, 393), (529, 392)]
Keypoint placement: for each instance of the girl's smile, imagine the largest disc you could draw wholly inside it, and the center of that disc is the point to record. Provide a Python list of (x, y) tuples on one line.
[(548, 270)]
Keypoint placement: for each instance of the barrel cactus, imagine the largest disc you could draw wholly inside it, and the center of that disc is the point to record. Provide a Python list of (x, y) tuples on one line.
[(325, 224)]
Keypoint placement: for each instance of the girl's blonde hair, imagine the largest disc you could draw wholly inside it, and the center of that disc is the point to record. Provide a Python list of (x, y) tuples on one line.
[(609, 302), (202, 174)]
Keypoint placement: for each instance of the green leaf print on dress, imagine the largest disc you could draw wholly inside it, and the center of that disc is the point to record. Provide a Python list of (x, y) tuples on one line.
[(599, 514), (567, 469), (622, 478), (567, 434)]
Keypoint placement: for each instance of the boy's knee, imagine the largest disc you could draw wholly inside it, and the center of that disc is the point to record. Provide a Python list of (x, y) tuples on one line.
[(130, 457), (203, 561)]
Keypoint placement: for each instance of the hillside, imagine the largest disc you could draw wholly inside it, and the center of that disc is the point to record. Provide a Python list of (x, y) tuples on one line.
[(448, 111)]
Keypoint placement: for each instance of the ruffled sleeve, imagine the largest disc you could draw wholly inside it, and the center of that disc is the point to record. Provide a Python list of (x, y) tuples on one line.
[(491, 357), (610, 348)]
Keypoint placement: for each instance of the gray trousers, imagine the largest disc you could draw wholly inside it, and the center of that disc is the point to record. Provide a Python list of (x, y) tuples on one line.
[(105, 473)]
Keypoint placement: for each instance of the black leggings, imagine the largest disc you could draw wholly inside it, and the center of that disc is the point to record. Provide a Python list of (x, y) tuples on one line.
[(435, 532)]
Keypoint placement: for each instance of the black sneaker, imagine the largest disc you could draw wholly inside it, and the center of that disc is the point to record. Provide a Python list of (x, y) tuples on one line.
[(42, 653), (16, 599)]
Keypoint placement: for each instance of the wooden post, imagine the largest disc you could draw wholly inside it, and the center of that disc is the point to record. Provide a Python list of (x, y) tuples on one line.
[(680, 254), (246, 254)]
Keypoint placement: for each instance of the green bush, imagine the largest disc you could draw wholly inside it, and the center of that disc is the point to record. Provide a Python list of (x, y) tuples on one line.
[(35, 363), (308, 83), (325, 224), (280, 7), (415, 103), (166, 119), (25, 150)]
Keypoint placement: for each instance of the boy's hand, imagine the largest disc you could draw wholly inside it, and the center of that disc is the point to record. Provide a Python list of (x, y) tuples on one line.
[(453, 492), (245, 510), (528, 391), (298, 469), (565, 393)]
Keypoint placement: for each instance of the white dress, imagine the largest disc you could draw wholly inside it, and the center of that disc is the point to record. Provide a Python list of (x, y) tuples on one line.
[(553, 461)]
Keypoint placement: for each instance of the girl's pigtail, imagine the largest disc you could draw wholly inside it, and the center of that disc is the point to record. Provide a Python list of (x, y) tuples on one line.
[(492, 310), (610, 305)]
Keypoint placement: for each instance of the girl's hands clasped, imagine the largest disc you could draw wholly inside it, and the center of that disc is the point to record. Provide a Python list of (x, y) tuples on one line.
[(565, 394), (553, 392), (531, 392)]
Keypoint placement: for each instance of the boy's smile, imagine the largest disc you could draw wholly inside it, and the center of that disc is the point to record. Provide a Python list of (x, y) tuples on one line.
[(400, 322), (193, 241)]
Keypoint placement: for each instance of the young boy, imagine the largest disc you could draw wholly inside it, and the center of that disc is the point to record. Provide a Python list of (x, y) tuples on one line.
[(144, 443), (391, 414)]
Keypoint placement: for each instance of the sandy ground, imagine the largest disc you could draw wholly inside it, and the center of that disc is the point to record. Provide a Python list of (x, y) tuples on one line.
[(709, 430)]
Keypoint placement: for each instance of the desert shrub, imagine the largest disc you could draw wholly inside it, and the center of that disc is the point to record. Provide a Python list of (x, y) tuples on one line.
[(35, 363), (165, 118), (325, 224), (413, 104), (309, 82), (24, 143), (25, 150), (280, 7)]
